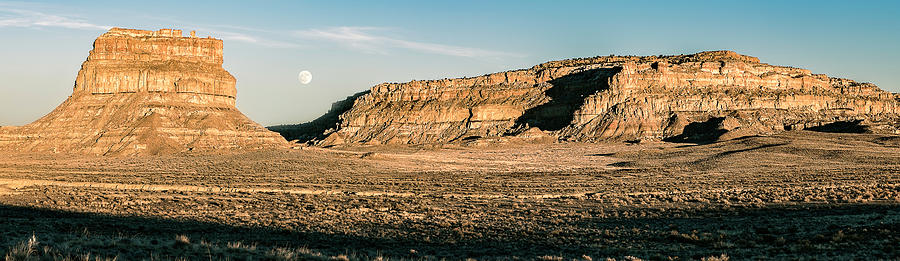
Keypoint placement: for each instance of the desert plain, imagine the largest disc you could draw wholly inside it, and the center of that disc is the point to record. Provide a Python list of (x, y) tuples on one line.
[(797, 194)]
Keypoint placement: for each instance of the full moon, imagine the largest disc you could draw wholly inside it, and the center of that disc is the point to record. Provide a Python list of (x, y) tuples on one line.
[(305, 77)]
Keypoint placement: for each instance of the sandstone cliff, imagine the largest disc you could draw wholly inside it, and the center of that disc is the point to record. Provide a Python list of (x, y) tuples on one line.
[(708, 95), (146, 92)]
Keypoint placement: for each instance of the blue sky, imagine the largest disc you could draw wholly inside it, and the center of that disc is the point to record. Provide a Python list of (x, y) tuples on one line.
[(351, 45)]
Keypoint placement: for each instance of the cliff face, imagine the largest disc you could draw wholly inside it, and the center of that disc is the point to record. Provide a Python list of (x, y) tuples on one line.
[(146, 92), (718, 94), (130, 61), (658, 99)]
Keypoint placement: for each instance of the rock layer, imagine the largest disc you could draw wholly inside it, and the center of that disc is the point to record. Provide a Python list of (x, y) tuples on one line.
[(718, 94), (146, 92)]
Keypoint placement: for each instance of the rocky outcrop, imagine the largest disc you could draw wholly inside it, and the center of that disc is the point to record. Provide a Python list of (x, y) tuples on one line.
[(708, 95), (146, 92)]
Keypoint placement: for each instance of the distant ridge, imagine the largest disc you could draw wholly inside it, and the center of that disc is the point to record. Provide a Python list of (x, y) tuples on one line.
[(699, 97)]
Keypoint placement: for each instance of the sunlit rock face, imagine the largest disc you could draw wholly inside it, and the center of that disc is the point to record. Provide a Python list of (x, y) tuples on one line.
[(720, 94), (130, 61), (146, 92)]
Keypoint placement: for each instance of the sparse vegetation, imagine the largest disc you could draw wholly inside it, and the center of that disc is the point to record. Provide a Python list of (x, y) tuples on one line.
[(32, 250)]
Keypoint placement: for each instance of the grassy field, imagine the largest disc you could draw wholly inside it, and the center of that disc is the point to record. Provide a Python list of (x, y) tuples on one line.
[(795, 195)]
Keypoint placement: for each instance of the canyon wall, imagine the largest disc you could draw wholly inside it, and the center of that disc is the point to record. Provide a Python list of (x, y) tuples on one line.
[(146, 92), (718, 94)]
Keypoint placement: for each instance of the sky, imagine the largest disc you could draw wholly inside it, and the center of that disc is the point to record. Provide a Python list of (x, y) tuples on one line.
[(349, 46)]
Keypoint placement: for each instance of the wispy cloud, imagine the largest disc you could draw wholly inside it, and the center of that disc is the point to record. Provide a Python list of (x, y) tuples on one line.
[(13, 17), (367, 39), (253, 39)]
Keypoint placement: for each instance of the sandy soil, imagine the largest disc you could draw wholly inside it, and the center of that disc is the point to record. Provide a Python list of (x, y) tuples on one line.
[(798, 194)]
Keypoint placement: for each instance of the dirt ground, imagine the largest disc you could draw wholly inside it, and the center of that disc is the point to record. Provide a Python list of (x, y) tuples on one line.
[(795, 195)]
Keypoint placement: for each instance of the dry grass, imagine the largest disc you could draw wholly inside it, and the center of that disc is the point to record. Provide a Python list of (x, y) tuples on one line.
[(25, 250)]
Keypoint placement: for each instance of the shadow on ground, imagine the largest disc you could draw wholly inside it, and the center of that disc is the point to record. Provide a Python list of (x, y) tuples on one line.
[(705, 132), (813, 231), (853, 126)]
